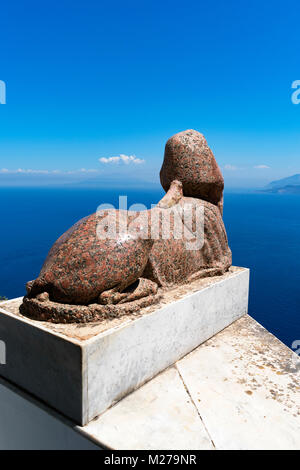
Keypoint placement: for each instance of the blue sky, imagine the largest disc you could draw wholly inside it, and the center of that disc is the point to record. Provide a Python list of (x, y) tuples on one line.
[(96, 79)]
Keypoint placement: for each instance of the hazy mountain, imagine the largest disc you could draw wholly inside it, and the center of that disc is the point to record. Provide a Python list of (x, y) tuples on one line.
[(290, 185)]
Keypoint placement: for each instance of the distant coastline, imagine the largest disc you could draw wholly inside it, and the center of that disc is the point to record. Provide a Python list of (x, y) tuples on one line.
[(290, 185), (289, 189)]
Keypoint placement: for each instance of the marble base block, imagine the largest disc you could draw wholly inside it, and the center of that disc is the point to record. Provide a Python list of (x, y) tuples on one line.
[(81, 370)]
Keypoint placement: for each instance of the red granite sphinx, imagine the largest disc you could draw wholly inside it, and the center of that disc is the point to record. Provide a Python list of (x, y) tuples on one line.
[(116, 262)]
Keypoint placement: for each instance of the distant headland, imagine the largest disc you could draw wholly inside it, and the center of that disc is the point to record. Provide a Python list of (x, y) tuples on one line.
[(290, 185)]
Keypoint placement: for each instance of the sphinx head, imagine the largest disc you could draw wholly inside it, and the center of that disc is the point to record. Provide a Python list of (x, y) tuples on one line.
[(189, 160)]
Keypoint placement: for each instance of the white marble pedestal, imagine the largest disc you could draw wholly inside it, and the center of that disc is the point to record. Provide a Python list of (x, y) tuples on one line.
[(237, 390), (81, 370)]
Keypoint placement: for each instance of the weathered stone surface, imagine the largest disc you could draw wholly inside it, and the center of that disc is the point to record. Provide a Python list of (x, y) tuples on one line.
[(80, 265), (172, 261), (82, 369), (189, 160), (115, 262)]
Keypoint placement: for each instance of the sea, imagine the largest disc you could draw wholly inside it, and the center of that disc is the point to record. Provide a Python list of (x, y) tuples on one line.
[(263, 231)]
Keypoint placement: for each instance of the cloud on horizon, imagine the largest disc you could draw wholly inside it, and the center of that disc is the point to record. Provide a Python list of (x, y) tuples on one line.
[(230, 167), (30, 171), (256, 167), (127, 159)]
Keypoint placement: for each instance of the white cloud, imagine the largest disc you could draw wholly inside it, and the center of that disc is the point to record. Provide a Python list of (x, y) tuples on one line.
[(235, 168), (27, 171), (122, 158), (82, 170), (46, 172), (231, 167)]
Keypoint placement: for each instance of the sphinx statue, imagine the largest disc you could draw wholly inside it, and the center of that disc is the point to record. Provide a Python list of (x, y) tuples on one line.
[(116, 262)]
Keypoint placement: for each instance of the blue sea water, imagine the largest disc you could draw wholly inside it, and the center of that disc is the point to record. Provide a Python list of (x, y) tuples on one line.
[(263, 231)]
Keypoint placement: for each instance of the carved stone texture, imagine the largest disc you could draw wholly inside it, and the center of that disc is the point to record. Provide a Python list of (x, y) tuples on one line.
[(116, 262), (189, 160)]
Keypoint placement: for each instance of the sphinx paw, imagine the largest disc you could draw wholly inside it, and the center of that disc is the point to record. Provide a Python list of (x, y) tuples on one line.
[(139, 289)]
